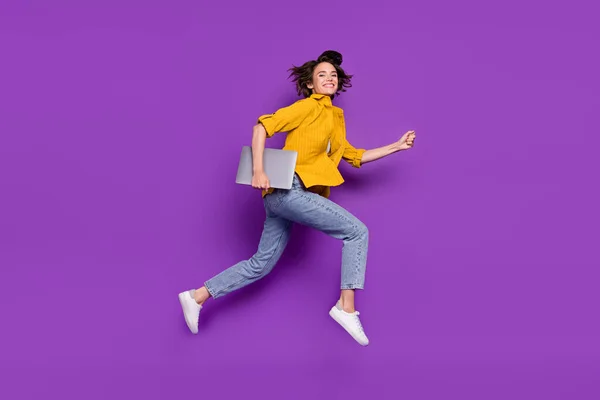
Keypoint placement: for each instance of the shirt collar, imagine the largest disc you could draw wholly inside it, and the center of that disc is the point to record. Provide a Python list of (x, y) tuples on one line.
[(322, 98)]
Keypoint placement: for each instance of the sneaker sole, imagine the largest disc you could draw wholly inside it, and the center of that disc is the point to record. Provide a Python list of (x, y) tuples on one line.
[(189, 325), (333, 314)]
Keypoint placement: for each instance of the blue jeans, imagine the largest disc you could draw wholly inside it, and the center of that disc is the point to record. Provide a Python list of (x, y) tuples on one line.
[(297, 205)]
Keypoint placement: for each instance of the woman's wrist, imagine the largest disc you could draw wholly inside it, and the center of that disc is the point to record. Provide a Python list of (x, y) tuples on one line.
[(395, 147)]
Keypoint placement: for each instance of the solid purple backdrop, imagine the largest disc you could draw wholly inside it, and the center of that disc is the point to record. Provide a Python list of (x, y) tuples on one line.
[(121, 126)]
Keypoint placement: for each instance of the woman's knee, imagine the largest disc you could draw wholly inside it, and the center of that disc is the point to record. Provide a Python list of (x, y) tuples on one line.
[(259, 266), (360, 230), (363, 230)]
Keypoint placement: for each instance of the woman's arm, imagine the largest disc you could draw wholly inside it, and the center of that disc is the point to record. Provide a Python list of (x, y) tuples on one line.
[(283, 120), (259, 136), (405, 143), (259, 178)]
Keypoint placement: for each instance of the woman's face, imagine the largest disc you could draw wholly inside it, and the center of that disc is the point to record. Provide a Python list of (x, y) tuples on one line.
[(325, 79)]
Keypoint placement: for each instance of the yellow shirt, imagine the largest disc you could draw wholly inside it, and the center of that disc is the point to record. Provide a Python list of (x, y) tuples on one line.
[(312, 124)]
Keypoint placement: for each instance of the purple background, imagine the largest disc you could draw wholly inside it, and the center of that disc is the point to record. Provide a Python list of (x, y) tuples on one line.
[(121, 125)]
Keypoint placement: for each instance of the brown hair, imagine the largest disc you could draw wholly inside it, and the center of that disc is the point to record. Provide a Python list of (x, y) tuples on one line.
[(303, 74)]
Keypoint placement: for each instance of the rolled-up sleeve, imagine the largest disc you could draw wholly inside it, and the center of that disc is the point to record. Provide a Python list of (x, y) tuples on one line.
[(352, 155), (288, 118)]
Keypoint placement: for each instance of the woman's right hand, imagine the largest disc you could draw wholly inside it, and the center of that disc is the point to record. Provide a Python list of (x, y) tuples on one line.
[(260, 180)]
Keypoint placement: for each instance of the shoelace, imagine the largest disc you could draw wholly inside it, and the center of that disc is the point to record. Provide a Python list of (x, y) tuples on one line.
[(357, 322)]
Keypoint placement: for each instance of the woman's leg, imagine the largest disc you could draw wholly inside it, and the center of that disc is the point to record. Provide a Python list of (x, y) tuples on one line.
[(312, 210), (275, 235)]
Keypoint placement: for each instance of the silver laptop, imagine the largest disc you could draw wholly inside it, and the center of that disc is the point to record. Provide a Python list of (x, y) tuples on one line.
[(279, 167)]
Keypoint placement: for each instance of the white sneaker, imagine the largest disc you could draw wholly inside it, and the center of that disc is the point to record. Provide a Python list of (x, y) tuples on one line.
[(191, 309), (350, 322)]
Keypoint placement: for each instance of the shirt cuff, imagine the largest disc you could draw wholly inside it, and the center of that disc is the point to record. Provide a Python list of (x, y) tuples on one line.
[(268, 122), (356, 162)]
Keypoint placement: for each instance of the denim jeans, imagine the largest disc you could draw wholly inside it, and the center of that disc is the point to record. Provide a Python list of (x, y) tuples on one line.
[(297, 205)]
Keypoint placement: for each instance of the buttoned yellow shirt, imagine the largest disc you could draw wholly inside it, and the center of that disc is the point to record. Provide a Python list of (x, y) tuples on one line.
[(311, 125)]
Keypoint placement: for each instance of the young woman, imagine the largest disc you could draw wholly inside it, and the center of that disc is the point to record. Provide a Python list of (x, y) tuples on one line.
[(316, 130)]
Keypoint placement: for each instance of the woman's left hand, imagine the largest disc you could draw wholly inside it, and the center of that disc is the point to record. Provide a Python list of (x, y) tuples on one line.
[(407, 140)]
